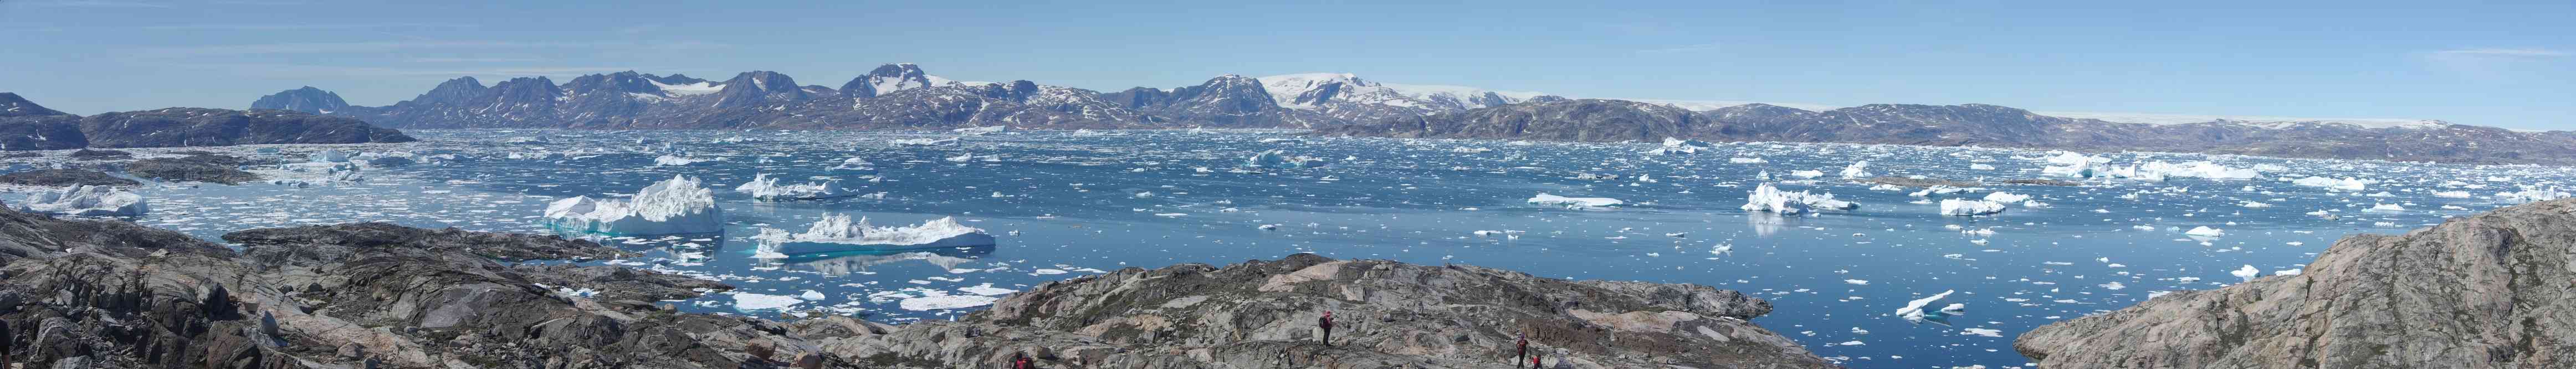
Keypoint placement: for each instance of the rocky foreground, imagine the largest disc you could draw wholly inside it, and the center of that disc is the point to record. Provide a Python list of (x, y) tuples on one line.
[(110, 294), (2493, 290)]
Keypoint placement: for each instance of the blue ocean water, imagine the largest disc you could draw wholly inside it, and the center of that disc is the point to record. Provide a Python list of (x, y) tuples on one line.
[(1067, 204)]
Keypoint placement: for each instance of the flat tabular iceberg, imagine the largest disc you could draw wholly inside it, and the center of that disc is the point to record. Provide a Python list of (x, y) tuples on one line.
[(765, 188), (1280, 159), (1546, 199), (87, 201), (837, 233), (679, 205), (1970, 207)]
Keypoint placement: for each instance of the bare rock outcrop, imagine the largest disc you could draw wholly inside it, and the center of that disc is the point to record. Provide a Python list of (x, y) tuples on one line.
[(2492, 290)]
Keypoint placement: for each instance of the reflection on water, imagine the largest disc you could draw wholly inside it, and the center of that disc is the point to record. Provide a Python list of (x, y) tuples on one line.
[(1765, 223)]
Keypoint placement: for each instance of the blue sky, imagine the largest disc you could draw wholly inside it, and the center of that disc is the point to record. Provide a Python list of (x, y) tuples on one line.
[(2511, 65)]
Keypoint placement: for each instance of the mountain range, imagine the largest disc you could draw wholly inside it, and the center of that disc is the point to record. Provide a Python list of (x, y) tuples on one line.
[(27, 126), (903, 96)]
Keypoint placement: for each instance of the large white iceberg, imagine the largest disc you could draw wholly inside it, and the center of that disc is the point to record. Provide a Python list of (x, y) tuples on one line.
[(1554, 200), (1856, 170), (1970, 207), (680, 205), (1280, 159), (765, 188), (1772, 199), (837, 233), (86, 201)]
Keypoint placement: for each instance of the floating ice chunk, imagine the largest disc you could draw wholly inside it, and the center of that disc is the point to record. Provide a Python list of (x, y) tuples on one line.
[(2205, 231), (2248, 272), (948, 141), (1856, 170), (1807, 173), (1863, 282), (1772, 199), (748, 302), (2453, 194), (986, 289), (1970, 207), (1980, 167), (860, 165), (2006, 197), (979, 131), (945, 302), (1280, 159), (1981, 332), (837, 232), (679, 205), (675, 160), (811, 295), (765, 188), (1942, 190), (2252, 204), (1554, 200), (2530, 195), (1745, 160), (2286, 272), (82, 200), (2386, 207), (1913, 310)]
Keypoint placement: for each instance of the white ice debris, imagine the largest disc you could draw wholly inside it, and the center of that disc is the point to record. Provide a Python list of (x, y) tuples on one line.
[(84, 200), (1280, 159), (329, 156), (2345, 184), (2531, 195), (2006, 197), (679, 205), (838, 232), (1772, 199), (1970, 207), (860, 165), (675, 160), (2453, 194), (1856, 170), (949, 141), (1554, 200), (1807, 173), (748, 302), (945, 302), (2387, 207), (2159, 170), (1745, 160), (766, 188)]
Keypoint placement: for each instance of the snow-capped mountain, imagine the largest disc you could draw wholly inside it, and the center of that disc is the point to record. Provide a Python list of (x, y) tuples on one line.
[(1347, 97)]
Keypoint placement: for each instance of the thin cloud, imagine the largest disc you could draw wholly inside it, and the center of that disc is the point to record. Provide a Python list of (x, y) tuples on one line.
[(304, 27), (2493, 64)]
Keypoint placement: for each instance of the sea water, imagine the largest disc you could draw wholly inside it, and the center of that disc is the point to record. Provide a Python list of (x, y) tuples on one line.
[(1065, 205)]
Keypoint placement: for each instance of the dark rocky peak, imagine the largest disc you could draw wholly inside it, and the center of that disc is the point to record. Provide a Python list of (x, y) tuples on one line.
[(675, 79), (307, 99), (759, 87), (462, 90), (1234, 92), (1140, 97), (886, 79), (620, 82), (1321, 93), (13, 106), (526, 90)]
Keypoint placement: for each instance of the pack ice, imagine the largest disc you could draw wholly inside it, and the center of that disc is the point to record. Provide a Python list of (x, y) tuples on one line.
[(837, 233), (1280, 159), (765, 188), (86, 201), (1970, 207), (679, 205), (1772, 199)]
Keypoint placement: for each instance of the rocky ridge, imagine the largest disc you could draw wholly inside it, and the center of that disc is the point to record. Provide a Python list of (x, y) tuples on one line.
[(2490, 290), (82, 293)]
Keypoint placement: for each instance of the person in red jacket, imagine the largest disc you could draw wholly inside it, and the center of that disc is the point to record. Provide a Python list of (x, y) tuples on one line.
[(1021, 361), (1326, 322), (1533, 360)]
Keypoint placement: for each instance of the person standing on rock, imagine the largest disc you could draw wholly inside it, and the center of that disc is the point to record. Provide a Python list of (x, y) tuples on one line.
[(1020, 360), (1523, 351), (1326, 323)]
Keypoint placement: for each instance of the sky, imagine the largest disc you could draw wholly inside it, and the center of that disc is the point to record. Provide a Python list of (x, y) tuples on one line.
[(2507, 65)]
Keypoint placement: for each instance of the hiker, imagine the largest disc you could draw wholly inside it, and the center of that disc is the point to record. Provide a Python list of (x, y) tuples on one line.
[(1020, 360), (1523, 351), (1533, 361), (7, 342), (1327, 323)]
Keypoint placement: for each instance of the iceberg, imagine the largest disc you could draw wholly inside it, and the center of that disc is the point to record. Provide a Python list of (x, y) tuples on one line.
[(1856, 170), (674, 160), (680, 205), (1744, 160), (2248, 272), (979, 131), (1913, 310), (951, 141), (82, 200), (1772, 199), (329, 156), (765, 188), (838, 233), (1280, 159), (2205, 231), (1970, 207), (1546, 199), (860, 165), (2006, 197)]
